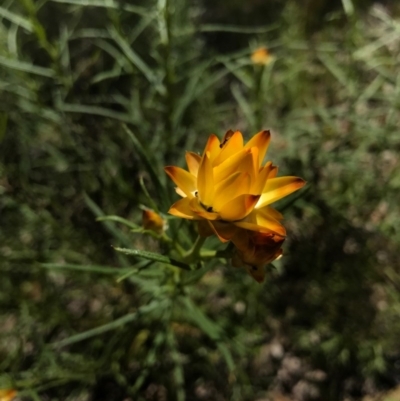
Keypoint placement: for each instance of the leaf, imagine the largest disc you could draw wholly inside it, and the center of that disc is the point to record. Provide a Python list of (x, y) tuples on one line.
[(109, 225), (87, 268), (155, 257), (94, 110), (27, 67), (226, 354), (3, 125), (136, 60), (203, 322), (149, 164), (106, 4), (237, 28), (130, 317), (195, 275), (16, 19), (244, 105), (119, 220), (337, 72)]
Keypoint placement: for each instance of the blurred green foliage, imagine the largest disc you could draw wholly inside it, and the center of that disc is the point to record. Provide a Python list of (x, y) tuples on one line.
[(99, 95)]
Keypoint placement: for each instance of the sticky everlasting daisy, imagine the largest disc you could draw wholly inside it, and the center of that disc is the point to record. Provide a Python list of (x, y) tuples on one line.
[(229, 189)]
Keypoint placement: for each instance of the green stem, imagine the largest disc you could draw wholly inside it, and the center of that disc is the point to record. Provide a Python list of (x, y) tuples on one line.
[(209, 254), (194, 253)]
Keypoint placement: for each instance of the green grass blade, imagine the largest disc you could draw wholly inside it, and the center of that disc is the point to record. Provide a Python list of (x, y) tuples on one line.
[(26, 67), (16, 19), (237, 28), (3, 125), (95, 110), (136, 60)]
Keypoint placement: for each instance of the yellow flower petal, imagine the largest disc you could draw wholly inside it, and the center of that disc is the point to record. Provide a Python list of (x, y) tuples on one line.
[(261, 178), (239, 207), (271, 212), (230, 146), (259, 221), (212, 147), (228, 189), (261, 142), (205, 182), (273, 172), (180, 192), (183, 179), (240, 162), (200, 211), (277, 188), (182, 209), (193, 162)]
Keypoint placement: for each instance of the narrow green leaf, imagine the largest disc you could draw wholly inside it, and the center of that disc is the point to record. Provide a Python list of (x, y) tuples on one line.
[(94, 110), (201, 320), (106, 4), (348, 7), (118, 234), (226, 354), (27, 67), (16, 19), (337, 71), (237, 28), (244, 105), (3, 125), (149, 163), (195, 275), (118, 219), (178, 372), (156, 257), (130, 317), (87, 268), (136, 60)]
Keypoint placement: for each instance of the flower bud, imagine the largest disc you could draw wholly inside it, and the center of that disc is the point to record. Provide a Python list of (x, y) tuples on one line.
[(153, 221)]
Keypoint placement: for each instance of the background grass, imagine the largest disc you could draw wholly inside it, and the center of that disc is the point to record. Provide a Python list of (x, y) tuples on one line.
[(98, 96)]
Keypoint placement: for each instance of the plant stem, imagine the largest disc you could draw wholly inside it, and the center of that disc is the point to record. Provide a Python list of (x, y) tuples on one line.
[(194, 253)]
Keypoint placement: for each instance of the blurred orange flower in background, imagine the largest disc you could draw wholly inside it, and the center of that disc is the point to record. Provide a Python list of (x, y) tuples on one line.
[(261, 56), (7, 394), (228, 190)]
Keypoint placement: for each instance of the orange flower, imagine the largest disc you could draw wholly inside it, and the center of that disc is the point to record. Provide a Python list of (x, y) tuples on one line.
[(255, 250), (228, 188), (261, 56), (153, 221), (7, 394)]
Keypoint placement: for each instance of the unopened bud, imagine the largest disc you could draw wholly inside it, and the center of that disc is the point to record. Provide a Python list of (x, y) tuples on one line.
[(153, 221)]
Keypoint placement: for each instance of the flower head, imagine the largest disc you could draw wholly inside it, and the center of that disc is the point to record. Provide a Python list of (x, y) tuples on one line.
[(7, 394), (153, 221), (261, 56), (229, 189)]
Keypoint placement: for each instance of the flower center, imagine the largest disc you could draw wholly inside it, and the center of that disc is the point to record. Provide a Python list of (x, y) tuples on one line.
[(207, 208)]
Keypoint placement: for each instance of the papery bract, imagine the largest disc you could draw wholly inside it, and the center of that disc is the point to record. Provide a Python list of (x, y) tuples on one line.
[(254, 250)]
